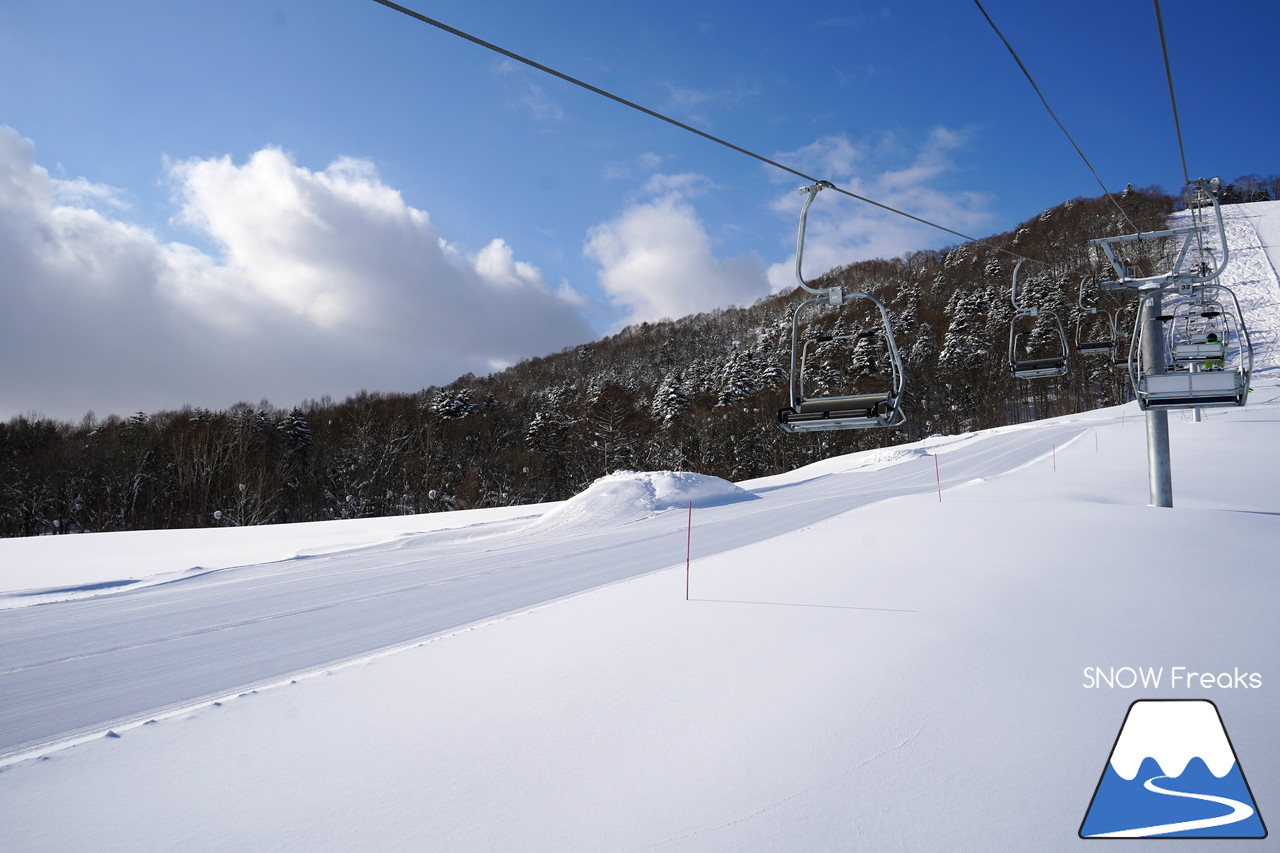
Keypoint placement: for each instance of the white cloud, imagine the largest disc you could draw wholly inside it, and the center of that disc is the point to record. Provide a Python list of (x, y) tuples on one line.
[(835, 157), (80, 192), (497, 264), (685, 184), (651, 161), (842, 230), (657, 261), (323, 282), (524, 94)]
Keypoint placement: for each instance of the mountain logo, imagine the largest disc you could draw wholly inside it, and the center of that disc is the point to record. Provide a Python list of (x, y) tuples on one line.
[(1172, 773)]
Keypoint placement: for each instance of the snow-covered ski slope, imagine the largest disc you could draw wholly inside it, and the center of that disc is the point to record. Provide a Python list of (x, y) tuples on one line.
[(860, 666)]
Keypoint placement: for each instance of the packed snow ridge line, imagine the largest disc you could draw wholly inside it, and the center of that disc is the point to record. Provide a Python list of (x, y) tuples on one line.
[(626, 496)]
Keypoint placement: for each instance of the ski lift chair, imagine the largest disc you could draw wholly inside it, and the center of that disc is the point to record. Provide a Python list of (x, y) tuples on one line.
[(1051, 363), (1198, 194), (1096, 332), (1199, 332), (812, 412), (816, 412), (1187, 386)]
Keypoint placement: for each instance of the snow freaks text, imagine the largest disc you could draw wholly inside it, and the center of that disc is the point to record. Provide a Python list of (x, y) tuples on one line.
[(1174, 677)]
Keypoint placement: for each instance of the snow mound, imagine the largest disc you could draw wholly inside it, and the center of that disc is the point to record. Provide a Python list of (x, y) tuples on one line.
[(626, 496), (890, 456)]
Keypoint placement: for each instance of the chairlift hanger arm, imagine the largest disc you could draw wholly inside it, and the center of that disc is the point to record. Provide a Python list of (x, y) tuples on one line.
[(1243, 329), (833, 294), (1135, 338), (1080, 296), (1013, 292)]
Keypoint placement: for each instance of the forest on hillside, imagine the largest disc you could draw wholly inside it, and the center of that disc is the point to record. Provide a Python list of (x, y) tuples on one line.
[(699, 393)]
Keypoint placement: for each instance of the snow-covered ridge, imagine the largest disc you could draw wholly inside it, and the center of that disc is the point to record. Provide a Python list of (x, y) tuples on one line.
[(626, 496)]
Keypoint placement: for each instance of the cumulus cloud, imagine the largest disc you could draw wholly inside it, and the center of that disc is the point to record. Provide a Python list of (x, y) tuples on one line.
[(320, 282), (842, 230), (657, 260), (80, 192), (829, 155)]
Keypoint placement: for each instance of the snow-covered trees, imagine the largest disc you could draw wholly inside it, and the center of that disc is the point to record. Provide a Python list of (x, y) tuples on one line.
[(963, 345), (739, 379), (698, 393), (670, 401), (453, 403)]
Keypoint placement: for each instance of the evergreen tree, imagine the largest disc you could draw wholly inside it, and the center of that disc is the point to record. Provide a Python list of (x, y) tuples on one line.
[(670, 400), (296, 433), (963, 348), (453, 404), (739, 378)]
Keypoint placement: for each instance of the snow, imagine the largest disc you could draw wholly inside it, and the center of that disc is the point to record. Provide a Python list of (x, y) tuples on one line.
[(38, 570), (867, 659), (627, 496)]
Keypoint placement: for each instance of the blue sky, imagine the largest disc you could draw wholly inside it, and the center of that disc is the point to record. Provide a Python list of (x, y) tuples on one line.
[(207, 203)]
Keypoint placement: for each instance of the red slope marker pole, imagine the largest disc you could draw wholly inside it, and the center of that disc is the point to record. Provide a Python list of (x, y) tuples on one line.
[(688, 552), (1055, 459), (938, 474)]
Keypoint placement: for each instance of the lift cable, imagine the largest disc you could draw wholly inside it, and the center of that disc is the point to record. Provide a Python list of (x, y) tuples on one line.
[(1177, 126), (1054, 115), (603, 93), (1173, 100)]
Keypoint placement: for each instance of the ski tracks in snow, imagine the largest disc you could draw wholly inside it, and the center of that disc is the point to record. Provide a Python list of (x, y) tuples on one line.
[(80, 666), (1253, 274)]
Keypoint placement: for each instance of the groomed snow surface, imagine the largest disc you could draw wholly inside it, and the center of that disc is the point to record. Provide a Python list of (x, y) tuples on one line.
[(884, 651)]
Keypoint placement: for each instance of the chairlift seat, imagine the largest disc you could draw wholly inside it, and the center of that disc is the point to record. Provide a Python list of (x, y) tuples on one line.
[(1187, 390), (1033, 368), (833, 413), (1197, 352), (1095, 347), (854, 403)]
